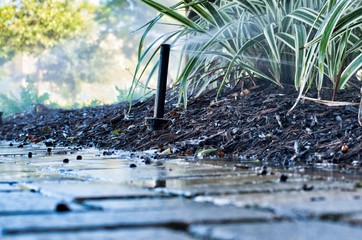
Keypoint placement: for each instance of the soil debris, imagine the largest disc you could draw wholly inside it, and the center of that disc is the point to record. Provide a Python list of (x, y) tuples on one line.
[(62, 207), (283, 178)]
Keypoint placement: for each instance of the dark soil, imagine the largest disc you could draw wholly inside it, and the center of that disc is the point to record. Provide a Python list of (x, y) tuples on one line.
[(248, 124)]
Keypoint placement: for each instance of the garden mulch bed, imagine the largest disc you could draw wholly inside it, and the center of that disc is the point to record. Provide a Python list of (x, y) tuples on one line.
[(249, 123)]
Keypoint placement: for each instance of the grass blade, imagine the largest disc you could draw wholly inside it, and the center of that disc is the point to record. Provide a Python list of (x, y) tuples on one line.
[(351, 69), (300, 62), (173, 14), (326, 30)]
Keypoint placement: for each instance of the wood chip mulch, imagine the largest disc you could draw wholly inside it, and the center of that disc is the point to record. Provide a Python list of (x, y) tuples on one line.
[(249, 123)]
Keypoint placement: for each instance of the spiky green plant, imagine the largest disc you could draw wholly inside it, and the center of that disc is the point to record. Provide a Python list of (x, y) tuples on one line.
[(277, 40)]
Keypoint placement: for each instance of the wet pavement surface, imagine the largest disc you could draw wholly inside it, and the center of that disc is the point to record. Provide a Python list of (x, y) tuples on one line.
[(125, 196)]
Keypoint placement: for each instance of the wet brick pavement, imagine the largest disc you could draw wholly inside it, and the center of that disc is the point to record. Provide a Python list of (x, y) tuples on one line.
[(102, 197)]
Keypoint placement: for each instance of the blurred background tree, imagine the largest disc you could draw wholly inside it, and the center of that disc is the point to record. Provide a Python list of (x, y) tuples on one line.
[(79, 51), (33, 25)]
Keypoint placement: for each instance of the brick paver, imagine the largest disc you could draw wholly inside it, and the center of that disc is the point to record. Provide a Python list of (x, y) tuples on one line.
[(103, 197)]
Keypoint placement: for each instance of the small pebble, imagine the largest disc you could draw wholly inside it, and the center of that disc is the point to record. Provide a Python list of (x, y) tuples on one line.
[(283, 178), (10, 144), (107, 153), (160, 184), (133, 165), (30, 154), (264, 171), (148, 160), (65, 160), (307, 188), (20, 146), (344, 148), (79, 157), (317, 199), (241, 166), (49, 144), (62, 207)]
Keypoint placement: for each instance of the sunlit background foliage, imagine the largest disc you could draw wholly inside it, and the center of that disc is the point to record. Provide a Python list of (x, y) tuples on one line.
[(68, 53)]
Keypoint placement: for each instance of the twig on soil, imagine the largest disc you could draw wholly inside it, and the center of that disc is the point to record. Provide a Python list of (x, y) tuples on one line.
[(331, 103)]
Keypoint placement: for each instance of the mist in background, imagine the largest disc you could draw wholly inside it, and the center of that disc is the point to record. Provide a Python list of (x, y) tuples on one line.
[(95, 67)]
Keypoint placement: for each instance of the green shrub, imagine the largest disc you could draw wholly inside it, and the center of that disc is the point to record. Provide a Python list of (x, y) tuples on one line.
[(29, 96), (282, 41)]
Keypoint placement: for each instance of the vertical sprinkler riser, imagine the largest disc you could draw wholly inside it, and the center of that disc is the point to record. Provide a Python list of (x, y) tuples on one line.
[(158, 122), (162, 81)]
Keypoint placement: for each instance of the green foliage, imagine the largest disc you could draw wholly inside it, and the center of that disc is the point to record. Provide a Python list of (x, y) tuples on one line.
[(29, 96), (91, 56), (116, 132), (73, 42), (123, 94), (32, 25), (281, 41), (94, 103)]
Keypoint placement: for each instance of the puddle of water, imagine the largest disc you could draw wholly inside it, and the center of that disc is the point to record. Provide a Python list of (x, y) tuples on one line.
[(94, 163), (324, 170)]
